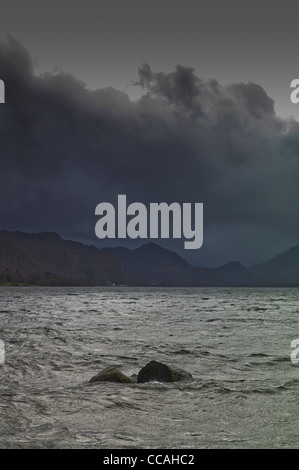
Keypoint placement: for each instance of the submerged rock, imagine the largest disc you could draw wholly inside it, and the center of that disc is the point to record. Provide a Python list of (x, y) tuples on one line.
[(110, 374), (179, 375), (156, 371), (133, 378)]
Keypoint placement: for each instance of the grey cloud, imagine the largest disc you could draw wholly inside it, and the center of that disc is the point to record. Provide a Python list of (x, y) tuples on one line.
[(205, 97), (255, 98), (65, 148)]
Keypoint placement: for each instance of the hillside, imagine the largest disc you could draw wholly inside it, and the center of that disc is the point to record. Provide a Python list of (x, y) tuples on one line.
[(282, 270), (47, 259)]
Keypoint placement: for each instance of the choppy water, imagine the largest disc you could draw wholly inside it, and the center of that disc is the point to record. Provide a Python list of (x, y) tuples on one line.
[(235, 342)]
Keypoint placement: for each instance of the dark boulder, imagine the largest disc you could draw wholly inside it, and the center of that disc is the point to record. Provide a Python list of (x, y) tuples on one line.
[(156, 371), (110, 374)]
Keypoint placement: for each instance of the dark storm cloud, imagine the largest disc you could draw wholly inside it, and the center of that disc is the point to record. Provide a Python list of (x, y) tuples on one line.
[(183, 88), (65, 148)]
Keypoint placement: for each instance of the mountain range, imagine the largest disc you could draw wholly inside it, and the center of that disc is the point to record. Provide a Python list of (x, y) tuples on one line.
[(47, 259)]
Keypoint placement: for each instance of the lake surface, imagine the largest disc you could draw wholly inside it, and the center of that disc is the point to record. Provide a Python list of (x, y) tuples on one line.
[(236, 343)]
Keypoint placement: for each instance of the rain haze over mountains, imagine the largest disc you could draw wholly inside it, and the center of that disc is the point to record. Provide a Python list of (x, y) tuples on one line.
[(165, 104)]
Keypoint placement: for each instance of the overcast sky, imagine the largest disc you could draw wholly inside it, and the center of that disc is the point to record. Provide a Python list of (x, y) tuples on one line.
[(103, 42), (208, 121)]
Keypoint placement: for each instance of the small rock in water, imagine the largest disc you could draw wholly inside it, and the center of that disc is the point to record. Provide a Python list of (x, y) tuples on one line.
[(156, 371), (110, 374)]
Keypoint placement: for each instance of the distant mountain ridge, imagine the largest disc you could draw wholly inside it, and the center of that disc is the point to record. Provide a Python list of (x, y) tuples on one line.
[(282, 270), (47, 259)]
